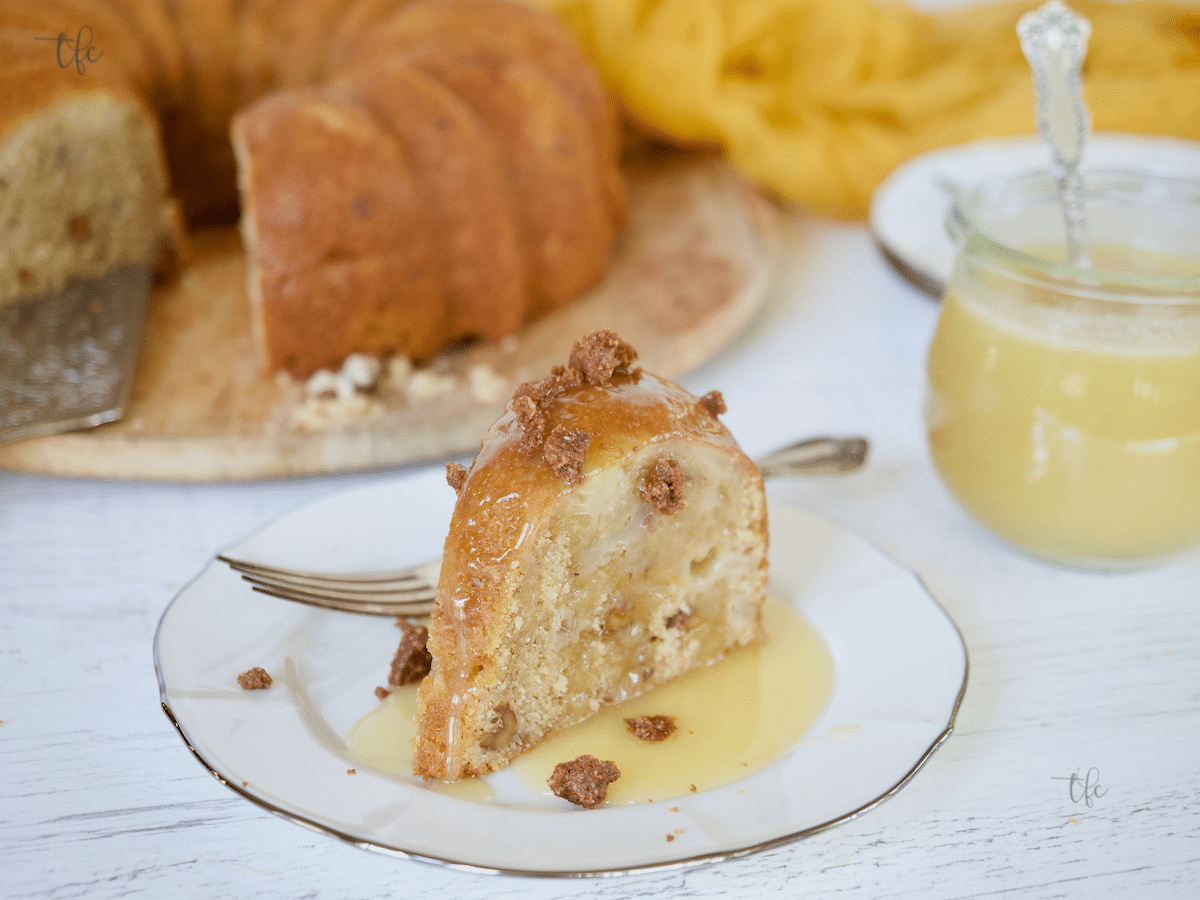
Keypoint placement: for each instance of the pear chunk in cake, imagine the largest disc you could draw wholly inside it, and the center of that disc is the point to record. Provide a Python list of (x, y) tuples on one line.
[(610, 535)]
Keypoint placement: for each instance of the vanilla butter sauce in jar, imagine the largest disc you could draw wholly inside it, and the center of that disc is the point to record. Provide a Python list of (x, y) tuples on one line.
[(1063, 409)]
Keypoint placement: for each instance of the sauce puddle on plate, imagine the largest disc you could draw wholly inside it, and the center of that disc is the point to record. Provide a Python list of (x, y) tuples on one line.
[(732, 718)]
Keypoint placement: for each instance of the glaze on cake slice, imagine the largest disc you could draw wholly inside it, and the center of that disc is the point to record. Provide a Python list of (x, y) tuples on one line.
[(609, 536)]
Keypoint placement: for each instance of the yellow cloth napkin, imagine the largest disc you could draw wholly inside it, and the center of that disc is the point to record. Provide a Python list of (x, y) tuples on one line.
[(817, 100)]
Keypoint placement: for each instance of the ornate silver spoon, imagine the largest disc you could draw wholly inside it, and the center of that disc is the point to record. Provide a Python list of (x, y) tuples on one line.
[(1054, 41)]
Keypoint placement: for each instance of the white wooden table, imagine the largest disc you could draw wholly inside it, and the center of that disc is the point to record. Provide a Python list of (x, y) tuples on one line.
[(1096, 676)]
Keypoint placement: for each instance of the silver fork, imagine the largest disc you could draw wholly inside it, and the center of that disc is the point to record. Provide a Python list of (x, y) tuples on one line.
[(410, 591)]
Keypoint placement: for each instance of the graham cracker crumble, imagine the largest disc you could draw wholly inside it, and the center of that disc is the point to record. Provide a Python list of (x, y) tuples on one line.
[(412, 661), (456, 474), (600, 355), (663, 488), (651, 728), (594, 359), (584, 780), (255, 679), (714, 403), (530, 398), (565, 451)]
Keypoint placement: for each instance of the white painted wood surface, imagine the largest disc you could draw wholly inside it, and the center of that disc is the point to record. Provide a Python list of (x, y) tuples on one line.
[(1070, 673)]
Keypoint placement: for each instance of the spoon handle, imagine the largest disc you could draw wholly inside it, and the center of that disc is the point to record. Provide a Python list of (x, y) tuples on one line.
[(1054, 41)]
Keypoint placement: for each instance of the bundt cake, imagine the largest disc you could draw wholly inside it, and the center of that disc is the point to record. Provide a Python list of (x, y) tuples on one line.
[(608, 536), (411, 173)]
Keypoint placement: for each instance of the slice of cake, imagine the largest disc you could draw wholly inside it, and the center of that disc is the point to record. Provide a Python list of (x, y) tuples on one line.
[(609, 536)]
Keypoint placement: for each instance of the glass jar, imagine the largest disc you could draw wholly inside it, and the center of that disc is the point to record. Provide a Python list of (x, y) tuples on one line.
[(1063, 409)]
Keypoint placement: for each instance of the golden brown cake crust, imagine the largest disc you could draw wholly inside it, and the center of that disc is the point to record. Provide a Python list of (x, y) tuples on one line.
[(514, 150), (328, 241), (521, 33), (551, 164), (469, 204)]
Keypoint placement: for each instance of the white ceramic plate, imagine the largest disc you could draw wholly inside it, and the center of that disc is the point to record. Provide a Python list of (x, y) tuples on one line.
[(908, 210), (900, 670)]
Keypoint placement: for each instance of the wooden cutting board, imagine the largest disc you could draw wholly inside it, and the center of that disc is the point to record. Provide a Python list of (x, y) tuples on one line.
[(687, 274)]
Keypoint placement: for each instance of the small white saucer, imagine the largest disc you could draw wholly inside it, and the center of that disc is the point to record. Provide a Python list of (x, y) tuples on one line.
[(909, 209)]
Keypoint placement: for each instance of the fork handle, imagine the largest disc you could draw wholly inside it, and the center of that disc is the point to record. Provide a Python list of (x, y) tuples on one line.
[(816, 456)]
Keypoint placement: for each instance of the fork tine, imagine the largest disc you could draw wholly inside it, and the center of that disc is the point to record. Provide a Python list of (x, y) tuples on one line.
[(393, 598), (392, 607), (378, 589), (412, 573), (403, 592)]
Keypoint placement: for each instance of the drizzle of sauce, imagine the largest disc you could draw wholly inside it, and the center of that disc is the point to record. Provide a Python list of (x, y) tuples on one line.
[(382, 740), (732, 719)]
